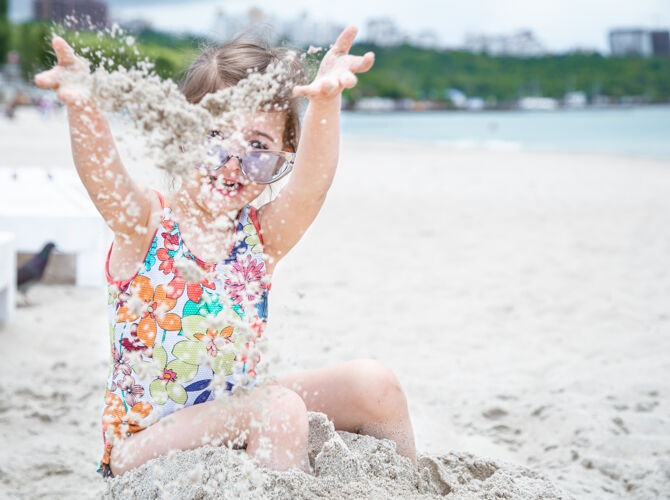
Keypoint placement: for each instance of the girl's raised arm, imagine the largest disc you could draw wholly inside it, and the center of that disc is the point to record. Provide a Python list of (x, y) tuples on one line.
[(285, 219), (124, 205)]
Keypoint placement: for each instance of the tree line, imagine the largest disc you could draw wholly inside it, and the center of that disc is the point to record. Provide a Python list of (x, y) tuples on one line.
[(410, 72), (399, 72)]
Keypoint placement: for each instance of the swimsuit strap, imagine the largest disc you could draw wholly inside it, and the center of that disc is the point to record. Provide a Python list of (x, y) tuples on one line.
[(160, 198)]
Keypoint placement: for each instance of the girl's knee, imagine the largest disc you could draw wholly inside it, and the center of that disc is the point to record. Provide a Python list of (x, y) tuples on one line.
[(279, 436), (375, 389), (286, 412)]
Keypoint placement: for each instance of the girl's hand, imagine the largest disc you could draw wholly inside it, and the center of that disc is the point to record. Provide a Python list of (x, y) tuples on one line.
[(337, 69), (67, 77)]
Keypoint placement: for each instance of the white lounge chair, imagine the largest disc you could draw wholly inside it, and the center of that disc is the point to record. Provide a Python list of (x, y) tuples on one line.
[(40, 205)]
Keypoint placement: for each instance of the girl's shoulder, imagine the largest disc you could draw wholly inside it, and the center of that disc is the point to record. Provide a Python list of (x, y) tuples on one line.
[(126, 251)]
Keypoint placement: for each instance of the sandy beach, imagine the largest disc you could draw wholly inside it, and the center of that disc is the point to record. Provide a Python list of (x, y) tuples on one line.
[(520, 298)]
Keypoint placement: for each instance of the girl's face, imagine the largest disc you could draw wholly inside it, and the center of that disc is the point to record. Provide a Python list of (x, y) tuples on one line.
[(226, 189)]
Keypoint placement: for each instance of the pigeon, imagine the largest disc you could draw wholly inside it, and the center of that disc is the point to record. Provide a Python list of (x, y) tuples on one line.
[(31, 272)]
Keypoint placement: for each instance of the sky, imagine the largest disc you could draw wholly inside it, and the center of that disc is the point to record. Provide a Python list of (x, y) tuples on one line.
[(559, 24)]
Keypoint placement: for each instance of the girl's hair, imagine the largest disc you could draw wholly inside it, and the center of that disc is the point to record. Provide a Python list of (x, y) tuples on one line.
[(227, 64)]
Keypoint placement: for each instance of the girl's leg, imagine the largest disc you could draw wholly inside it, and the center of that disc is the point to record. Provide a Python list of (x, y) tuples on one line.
[(359, 396), (270, 420)]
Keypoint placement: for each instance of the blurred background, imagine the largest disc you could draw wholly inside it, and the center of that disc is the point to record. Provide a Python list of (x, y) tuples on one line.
[(497, 231), (598, 72)]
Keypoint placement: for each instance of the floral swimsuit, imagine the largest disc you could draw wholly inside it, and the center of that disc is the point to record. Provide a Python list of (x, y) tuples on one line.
[(164, 350)]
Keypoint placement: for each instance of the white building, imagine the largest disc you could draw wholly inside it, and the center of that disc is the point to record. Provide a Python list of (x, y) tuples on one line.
[(520, 44), (224, 26), (301, 31), (537, 103), (375, 104), (635, 42), (630, 42), (383, 32), (304, 31), (457, 97), (426, 39), (575, 99), (228, 25), (475, 103)]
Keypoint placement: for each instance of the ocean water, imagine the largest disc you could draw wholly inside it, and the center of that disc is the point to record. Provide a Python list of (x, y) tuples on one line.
[(638, 131)]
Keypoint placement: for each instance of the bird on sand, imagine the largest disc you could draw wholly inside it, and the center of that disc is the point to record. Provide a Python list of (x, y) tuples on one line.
[(31, 272)]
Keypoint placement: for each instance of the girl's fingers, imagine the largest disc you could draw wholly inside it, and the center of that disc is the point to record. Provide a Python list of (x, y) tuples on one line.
[(307, 90), (48, 79), (69, 96), (363, 64), (328, 86), (345, 40), (348, 80), (64, 53), (319, 87), (299, 90), (304, 90)]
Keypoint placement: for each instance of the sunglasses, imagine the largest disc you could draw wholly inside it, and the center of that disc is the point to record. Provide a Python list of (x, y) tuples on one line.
[(258, 165)]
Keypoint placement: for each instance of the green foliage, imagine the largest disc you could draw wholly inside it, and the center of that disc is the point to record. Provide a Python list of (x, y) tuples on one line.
[(411, 72), (168, 62), (399, 72), (4, 30), (5, 35), (32, 42), (158, 38)]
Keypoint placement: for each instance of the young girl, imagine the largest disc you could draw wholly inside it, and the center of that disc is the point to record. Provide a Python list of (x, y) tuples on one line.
[(158, 320)]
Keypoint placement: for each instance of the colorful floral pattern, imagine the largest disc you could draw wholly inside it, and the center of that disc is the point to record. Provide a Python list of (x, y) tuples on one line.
[(164, 351), (246, 279), (168, 250), (151, 256), (170, 377), (253, 239), (153, 314)]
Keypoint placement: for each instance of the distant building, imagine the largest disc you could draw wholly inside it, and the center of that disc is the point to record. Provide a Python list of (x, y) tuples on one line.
[(457, 97), (426, 39), (375, 104), (87, 13), (639, 42), (304, 31), (475, 103), (520, 44), (227, 26), (660, 43), (575, 99), (301, 31), (537, 103), (630, 42), (383, 32)]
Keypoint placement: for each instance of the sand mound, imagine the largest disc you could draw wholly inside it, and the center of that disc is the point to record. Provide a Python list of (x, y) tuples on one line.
[(345, 466)]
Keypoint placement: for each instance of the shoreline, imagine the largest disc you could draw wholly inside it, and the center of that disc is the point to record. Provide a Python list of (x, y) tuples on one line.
[(453, 148), (55, 142), (511, 107)]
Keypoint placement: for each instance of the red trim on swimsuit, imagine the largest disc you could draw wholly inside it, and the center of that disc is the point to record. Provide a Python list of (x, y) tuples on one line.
[(253, 214)]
